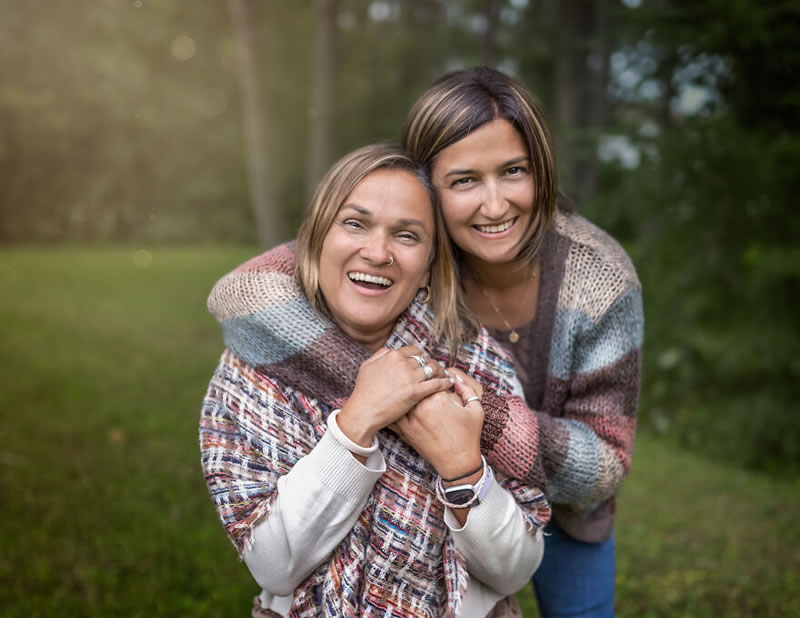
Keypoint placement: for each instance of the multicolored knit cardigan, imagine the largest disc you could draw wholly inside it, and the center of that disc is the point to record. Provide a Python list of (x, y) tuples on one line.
[(295, 368)]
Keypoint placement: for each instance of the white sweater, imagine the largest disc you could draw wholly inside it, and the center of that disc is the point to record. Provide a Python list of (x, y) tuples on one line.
[(318, 503)]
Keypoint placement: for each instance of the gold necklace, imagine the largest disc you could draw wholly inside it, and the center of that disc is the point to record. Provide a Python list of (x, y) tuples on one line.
[(513, 336)]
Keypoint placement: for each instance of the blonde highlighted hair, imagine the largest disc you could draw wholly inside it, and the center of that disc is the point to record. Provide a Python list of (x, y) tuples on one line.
[(461, 102), (332, 192)]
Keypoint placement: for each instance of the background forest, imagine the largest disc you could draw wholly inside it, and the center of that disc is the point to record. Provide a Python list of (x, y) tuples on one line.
[(132, 129)]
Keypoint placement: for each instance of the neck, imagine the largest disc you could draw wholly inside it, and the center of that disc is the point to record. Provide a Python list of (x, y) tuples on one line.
[(499, 275), (372, 341)]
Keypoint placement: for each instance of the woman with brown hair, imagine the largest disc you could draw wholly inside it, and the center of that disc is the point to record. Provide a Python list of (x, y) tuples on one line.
[(564, 299)]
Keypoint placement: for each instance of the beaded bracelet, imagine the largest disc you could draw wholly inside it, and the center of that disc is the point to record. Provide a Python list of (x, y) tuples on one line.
[(346, 442)]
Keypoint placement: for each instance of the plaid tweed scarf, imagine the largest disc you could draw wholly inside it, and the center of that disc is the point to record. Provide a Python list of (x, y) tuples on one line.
[(399, 559)]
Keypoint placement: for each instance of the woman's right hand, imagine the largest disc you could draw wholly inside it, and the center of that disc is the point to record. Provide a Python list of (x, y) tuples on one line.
[(389, 384)]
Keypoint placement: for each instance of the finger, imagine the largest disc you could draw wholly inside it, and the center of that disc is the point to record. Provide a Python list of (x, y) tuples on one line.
[(467, 393), (408, 350), (434, 371), (462, 377), (379, 354), (429, 387)]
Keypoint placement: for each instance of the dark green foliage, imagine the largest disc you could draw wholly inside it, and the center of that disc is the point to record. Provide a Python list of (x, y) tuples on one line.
[(710, 216)]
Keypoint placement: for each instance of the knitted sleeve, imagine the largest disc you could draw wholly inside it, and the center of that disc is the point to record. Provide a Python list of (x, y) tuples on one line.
[(579, 446)]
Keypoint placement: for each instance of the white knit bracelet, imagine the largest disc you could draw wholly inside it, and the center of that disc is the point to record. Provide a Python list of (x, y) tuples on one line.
[(347, 442)]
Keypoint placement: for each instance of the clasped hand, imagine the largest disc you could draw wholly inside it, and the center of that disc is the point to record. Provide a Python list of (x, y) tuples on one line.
[(445, 431), (430, 414)]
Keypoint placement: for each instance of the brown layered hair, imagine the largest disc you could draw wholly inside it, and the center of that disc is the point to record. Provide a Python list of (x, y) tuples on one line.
[(461, 102)]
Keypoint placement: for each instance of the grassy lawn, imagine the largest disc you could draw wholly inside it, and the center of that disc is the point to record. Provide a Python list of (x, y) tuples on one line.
[(105, 356)]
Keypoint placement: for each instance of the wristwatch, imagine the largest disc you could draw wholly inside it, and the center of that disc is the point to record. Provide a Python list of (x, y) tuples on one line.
[(461, 494)]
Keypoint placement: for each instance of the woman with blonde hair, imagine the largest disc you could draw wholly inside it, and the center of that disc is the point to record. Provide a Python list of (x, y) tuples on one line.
[(563, 298), (349, 475)]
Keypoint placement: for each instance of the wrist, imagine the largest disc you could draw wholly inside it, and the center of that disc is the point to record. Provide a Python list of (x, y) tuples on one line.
[(355, 428), (468, 470)]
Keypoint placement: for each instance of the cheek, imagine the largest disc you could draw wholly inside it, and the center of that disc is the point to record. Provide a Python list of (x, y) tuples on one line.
[(418, 267), (456, 210)]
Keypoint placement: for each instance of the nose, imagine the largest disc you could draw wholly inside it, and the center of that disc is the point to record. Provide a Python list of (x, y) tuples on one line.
[(376, 248), (494, 203)]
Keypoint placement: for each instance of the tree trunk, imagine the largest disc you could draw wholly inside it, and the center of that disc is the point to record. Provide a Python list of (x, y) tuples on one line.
[(489, 48), (581, 79), (595, 103), (268, 219), (323, 76)]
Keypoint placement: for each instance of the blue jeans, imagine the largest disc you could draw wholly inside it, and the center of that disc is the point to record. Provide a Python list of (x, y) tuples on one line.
[(575, 578)]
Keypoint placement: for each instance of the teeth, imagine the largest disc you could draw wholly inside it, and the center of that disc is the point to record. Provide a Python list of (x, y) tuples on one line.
[(354, 276), (494, 229)]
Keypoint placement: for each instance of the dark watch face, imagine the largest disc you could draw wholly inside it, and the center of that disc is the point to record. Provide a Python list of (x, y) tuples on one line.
[(459, 496)]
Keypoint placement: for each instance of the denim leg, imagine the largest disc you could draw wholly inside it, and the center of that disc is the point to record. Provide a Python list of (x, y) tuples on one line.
[(575, 578)]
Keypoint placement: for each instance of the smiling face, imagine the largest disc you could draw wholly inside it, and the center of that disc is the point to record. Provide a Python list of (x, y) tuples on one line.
[(486, 189), (388, 217)]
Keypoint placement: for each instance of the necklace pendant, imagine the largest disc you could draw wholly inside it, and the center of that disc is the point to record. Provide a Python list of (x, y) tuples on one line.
[(513, 337)]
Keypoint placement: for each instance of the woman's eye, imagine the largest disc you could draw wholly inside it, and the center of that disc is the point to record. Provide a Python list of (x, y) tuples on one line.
[(408, 236), (462, 182), (352, 224), (516, 170)]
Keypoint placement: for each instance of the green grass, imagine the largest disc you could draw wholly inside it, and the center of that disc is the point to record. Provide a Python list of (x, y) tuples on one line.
[(105, 512)]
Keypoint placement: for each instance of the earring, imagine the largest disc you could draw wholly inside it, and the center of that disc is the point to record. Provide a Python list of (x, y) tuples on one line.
[(427, 289)]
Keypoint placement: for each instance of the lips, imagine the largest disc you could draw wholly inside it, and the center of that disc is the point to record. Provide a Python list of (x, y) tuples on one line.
[(496, 229), (375, 282)]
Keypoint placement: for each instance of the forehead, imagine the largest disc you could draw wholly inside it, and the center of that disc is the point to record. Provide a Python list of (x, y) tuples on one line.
[(391, 195), (493, 143)]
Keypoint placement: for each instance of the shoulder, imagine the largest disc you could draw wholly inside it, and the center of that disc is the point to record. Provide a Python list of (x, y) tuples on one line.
[(597, 271), (256, 285)]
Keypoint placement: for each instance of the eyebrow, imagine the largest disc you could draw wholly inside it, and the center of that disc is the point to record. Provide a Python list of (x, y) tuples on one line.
[(514, 161), (367, 213)]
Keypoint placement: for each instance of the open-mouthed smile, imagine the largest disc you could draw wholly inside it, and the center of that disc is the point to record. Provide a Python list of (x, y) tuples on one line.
[(495, 229), (374, 282)]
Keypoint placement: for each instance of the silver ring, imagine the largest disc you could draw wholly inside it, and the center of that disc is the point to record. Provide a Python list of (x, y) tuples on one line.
[(428, 371), (391, 260), (471, 399), (420, 360)]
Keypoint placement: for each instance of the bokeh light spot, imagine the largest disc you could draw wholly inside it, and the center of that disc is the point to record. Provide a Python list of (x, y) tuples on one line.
[(142, 258), (184, 48)]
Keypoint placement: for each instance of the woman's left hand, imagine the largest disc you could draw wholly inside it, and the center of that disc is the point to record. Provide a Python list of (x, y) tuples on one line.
[(446, 430)]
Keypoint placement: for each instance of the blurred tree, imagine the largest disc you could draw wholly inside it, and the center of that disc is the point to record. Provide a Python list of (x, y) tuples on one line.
[(491, 12), (269, 223), (320, 143), (709, 210), (582, 49)]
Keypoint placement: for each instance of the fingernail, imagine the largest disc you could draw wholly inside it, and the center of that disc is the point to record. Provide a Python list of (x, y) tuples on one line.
[(459, 378), (447, 373), (452, 381)]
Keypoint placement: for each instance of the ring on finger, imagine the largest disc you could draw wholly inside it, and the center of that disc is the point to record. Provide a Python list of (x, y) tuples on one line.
[(426, 368), (471, 399), (420, 360)]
